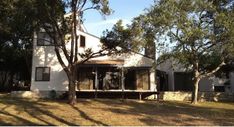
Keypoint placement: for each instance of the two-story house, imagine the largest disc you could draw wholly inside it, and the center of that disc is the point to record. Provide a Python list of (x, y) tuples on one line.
[(129, 72)]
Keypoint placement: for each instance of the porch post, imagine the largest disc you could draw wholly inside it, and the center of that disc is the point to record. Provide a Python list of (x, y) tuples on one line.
[(96, 82), (122, 81)]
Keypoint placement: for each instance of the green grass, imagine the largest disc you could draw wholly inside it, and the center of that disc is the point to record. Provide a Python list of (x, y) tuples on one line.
[(15, 111)]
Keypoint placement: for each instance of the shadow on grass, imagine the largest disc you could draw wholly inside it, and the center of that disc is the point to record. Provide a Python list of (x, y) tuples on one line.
[(146, 112), (27, 122), (36, 109), (84, 115), (172, 113), (33, 108)]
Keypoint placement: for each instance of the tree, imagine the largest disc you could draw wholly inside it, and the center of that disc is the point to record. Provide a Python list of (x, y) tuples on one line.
[(200, 32), (57, 23), (125, 38), (138, 37), (16, 27)]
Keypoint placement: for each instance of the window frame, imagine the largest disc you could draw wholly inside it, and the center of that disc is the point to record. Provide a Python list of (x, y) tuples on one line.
[(36, 79), (84, 41)]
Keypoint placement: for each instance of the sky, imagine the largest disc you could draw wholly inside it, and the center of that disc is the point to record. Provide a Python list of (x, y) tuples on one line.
[(125, 10)]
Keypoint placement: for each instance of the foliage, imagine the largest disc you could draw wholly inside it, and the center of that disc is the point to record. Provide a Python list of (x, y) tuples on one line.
[(117, 37), (17, 19), (200, 32), (52, 94), (136, 37)]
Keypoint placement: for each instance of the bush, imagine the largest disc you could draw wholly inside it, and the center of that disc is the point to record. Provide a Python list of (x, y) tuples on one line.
[(52, 94)]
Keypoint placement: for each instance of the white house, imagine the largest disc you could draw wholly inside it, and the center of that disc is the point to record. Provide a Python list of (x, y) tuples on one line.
[(180, 80), (125, 72)]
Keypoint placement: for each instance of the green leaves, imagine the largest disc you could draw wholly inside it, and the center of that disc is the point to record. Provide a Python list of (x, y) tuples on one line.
[(195, 26), (117, 37), (137, 37)]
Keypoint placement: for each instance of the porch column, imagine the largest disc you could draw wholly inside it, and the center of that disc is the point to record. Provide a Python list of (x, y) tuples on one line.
[(96, 82), (122, 82), (153, 85), (122, 78)]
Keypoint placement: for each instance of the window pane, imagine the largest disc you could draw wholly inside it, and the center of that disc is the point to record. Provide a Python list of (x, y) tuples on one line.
[(46, 74), (39, 73), (82, 41), (46, 70), (46, 77)]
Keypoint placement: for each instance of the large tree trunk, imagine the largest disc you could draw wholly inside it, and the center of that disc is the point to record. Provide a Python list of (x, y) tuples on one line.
[(195, 90), (72, 88)]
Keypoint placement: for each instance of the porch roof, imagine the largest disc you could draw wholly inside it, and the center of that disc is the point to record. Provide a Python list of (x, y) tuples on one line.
[(106, 62)]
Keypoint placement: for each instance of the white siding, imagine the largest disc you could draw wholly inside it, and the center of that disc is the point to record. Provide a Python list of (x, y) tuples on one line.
[(170, 66), (44, 56)]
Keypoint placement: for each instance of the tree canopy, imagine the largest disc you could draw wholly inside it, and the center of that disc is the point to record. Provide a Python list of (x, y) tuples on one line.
[(200, 32), (16, 27)]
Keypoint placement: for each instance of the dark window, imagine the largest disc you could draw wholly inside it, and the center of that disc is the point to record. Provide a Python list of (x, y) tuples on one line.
[(219, 89), (42, 74), (183, 81), (82, 41), (43, 39)]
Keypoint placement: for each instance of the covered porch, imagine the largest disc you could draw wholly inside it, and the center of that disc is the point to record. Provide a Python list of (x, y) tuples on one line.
[(112, 78)]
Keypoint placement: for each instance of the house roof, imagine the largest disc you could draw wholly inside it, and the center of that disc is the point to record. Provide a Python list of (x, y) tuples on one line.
[(89, 34), (110, 62)]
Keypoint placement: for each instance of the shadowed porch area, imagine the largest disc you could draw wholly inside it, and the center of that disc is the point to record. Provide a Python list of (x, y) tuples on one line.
[(112, 75), (110, 79)]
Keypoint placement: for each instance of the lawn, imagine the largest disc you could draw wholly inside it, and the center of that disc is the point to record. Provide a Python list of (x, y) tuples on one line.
[(15, 111)]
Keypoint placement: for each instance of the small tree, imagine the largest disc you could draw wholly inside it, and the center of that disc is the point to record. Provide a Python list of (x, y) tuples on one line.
[(53, 20), (200, 33)]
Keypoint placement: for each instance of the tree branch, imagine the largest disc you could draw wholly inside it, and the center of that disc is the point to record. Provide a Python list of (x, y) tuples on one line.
[(60, 59), (213, 71), (81, 7), (94, 55), (88, 8)]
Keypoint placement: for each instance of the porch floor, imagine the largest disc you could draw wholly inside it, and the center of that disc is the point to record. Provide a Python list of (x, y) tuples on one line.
[(126, 94)]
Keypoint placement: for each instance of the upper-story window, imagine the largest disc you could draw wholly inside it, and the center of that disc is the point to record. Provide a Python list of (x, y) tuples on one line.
[(82, 41), (43, 39)]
